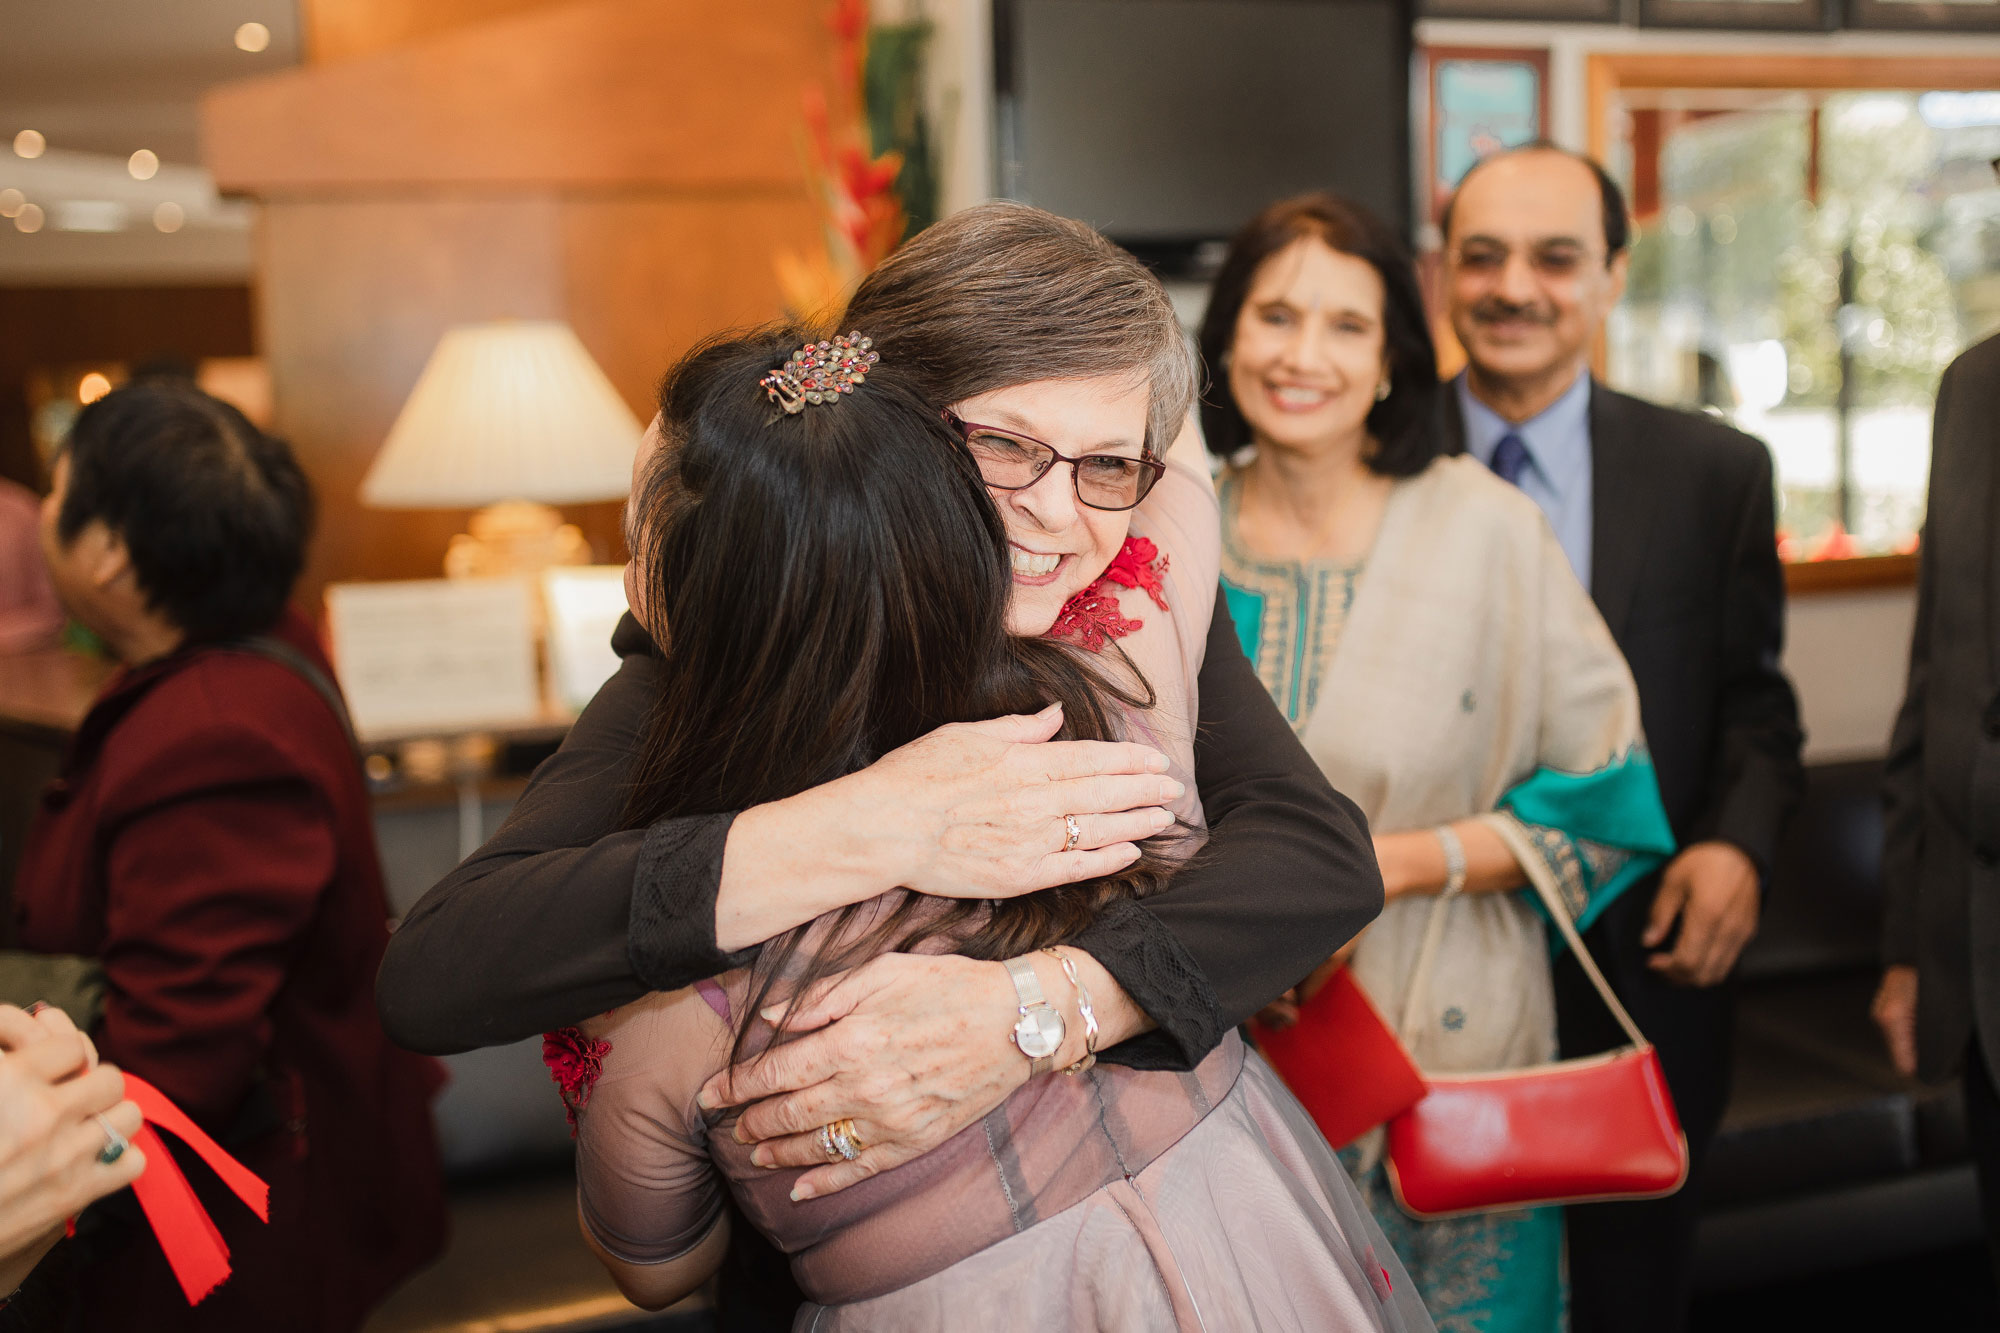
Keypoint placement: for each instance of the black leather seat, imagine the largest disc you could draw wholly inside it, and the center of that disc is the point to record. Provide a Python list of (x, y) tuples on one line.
[(1827, 1156)]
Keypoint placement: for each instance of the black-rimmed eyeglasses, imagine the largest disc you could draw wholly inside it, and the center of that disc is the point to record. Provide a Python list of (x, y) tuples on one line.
[(1011, 461)]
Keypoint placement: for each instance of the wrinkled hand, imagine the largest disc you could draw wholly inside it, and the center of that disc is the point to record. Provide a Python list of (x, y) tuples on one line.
[(978, 806), (1895, 1012), (51, 1088), (912, 1048), (1712, 888)]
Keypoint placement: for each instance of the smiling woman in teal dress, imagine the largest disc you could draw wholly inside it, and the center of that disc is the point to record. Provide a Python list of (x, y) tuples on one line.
[(1419, 625)]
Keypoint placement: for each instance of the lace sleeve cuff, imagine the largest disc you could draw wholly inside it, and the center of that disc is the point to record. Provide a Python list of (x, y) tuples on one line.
[(1163, 980), (671, 939)]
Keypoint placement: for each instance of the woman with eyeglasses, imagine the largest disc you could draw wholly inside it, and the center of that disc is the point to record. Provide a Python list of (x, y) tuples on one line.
[(1420, 627), (808, 506), (1049, 340)]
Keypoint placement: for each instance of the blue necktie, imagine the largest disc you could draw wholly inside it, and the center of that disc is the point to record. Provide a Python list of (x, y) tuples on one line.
[(1510, 458)]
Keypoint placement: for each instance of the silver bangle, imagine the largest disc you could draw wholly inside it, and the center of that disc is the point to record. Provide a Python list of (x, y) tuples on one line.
[(1083, 1009), (1454, 859)]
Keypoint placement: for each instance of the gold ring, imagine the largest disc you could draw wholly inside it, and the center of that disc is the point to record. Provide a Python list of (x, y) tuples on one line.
[(826, 1145), (846, 1127), (837, 1134), (1075, 833)]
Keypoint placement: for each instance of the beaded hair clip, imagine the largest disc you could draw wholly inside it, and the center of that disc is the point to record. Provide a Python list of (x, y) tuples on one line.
[(821, 372)]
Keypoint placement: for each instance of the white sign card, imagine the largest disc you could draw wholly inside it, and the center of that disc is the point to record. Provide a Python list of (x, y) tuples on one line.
[(584, 603), (435, 655)]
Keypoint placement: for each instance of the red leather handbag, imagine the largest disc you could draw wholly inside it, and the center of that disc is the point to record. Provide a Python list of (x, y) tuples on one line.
[(1342, 1062), (1573, 1131)]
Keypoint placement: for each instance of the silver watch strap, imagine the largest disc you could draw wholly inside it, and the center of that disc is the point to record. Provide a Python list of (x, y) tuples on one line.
[(1028, 991), (1027, 986)]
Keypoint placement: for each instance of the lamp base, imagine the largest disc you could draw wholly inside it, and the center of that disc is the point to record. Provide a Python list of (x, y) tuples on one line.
[(513, 539)]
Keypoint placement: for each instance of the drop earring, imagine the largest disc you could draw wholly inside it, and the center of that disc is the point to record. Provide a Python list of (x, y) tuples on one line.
[(1382, 390)]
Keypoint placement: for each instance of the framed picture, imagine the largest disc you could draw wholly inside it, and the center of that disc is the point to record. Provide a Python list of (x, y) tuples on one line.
[(1792, 15), (1478, 100), (1926, 15), (1540, 11)]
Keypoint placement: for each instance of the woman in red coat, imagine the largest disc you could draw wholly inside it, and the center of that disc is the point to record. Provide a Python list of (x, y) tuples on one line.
[(209, 839)]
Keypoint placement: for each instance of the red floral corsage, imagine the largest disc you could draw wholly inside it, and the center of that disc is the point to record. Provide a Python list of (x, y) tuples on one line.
[(1092, 618), (574, 1062)]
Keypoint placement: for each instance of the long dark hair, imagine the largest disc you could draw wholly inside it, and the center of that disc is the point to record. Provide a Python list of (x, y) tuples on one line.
[(1402, 423), (826, 587)]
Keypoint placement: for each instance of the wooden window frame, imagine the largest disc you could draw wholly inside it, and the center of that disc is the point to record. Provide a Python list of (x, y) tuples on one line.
[(1609, 73)]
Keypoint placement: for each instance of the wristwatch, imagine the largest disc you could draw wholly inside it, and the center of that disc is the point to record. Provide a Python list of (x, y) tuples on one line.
[(1039, 1033)]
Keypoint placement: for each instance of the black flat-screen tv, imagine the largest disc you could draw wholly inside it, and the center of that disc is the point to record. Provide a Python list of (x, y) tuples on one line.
[(1168, 123)]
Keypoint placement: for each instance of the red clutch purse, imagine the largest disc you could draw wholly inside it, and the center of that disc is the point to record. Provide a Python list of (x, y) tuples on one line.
[(1600, 1127), (1342, 1062)]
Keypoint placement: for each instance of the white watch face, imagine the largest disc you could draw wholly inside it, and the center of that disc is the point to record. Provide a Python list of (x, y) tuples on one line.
[(1040, 1032)]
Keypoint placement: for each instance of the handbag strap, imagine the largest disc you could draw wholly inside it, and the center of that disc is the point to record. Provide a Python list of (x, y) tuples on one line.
[(1560, 915), (1420, 976)]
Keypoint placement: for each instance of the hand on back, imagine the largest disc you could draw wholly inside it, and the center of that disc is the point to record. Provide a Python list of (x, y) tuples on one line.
[(979, 807)]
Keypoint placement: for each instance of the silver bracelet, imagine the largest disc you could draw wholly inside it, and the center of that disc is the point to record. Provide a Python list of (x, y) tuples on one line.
[(1083, 1008), (1454, 859)]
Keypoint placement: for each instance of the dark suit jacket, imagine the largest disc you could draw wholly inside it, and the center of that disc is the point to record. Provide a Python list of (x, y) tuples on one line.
[(1684, 570), (210, 839), (1941, 858)]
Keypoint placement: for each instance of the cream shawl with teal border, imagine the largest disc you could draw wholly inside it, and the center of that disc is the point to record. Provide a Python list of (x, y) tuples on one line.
[(1474, 678)]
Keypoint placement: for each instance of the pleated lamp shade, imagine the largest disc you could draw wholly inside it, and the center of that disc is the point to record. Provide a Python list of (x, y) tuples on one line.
[(514, 410)]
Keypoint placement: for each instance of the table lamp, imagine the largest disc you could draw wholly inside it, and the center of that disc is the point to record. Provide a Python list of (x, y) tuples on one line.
[(511, 417)]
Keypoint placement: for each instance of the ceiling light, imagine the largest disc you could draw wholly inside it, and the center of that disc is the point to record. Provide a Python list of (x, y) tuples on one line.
[(252, 37), (29, 143), (29, 218), (144, 164), (91, 388), (11, 202), (169, 216)]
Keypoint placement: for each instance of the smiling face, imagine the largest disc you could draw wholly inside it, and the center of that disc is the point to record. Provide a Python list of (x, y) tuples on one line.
[(1059, 546), (1308, 352), (1527, 276)]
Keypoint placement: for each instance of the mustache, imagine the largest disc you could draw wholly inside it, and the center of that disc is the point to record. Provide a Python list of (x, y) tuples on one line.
[(1493, 309)]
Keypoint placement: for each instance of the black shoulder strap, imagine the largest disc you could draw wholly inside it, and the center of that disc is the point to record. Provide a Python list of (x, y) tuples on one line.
[(277, 650)]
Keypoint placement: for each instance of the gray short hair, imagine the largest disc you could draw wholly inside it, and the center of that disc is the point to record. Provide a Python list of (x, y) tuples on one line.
[(1002, 293)]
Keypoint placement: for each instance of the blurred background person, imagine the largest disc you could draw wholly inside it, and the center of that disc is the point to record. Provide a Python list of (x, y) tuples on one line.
[(1420, 627), (30, 615), (65, 1128), (1941, 853), (1670, 520), (209, 841)]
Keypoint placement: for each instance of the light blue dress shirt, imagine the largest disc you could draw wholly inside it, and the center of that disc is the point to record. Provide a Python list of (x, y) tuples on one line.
[(1557, 477)]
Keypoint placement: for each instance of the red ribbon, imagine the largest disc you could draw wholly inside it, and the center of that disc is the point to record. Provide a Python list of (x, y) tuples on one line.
[(194, 1248)]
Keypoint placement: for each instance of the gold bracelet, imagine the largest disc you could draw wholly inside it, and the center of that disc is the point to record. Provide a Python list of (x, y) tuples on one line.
[(1083, 1008)]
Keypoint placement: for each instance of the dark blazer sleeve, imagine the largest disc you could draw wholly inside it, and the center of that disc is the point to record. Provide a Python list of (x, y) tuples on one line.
[(563, 914), (1903, 769), (1758, 777), (1287, 877)]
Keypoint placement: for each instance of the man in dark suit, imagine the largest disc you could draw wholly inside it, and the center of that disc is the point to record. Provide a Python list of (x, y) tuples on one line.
[(1668, 518), (1938, 1005)]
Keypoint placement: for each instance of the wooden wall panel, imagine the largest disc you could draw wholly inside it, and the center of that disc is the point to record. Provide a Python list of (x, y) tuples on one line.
[(343, 29), (632, 166), (353, 297), (682, 93), (649, 276), (57, 326)]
